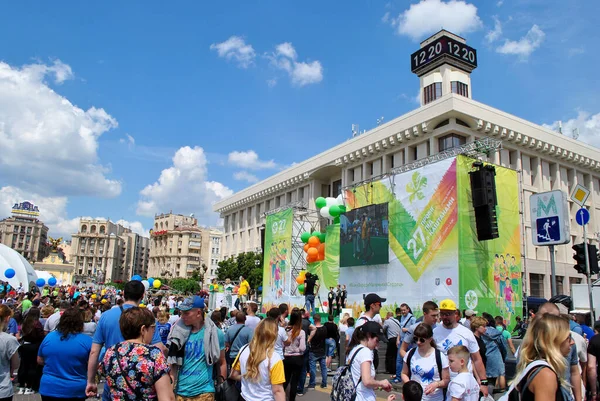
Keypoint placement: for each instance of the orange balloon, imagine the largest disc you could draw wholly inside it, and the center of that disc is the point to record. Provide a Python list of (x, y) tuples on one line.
[(306, 246), (313, 252), (309, 259), (314, 241), (321, 256), (321, 248), (300, 279)]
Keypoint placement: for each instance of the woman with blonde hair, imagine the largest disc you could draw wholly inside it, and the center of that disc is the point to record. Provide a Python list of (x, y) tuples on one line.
[(9, 357), (548, 339), (259, 367), (294, 353)]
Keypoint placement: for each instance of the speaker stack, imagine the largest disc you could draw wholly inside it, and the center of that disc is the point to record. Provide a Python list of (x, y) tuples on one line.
[(483, 193)]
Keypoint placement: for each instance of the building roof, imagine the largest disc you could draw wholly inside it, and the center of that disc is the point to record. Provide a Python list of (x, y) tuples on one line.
[(414, 125)]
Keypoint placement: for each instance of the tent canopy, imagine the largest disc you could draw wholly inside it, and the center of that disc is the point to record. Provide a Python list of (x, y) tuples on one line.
[(24, 272)]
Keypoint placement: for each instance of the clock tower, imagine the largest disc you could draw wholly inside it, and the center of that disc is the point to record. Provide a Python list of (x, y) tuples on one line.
[(443, 64)]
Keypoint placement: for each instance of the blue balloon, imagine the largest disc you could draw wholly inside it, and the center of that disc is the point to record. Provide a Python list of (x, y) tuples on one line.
[(151, 281), (9, 273), (136, 278), (52, 281), (40, 282)]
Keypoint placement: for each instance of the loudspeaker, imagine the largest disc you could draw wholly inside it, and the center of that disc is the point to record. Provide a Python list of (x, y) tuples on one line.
[(483, 194)]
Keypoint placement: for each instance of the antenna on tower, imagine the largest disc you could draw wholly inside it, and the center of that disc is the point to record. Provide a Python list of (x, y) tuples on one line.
[(560, 127), (575, 133), (380, 120), (355, 130)]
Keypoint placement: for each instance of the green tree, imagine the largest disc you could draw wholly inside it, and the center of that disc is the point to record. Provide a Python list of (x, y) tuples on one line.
[(248, 264), (185, 285), (118, 286)]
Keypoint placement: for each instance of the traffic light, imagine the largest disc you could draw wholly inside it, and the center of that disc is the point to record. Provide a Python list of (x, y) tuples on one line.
[(593, 257), (580, 258)]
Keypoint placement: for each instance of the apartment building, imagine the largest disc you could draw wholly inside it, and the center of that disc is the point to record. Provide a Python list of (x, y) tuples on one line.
[(25, 233)]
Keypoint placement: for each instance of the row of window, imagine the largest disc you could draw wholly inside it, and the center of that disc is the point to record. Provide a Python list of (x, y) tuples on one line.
[(93, 229), (434, 91)]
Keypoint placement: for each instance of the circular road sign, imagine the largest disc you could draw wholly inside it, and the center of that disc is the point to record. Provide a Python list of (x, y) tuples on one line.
[(582, 217)]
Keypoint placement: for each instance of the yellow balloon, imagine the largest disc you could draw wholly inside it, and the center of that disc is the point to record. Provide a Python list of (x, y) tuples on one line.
[(103, 292), (94, 296), (142, 306), (156, 284)]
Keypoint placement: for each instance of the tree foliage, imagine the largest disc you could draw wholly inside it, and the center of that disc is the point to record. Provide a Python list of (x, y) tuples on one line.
[(185, 285), (118, 286), (245, 265)]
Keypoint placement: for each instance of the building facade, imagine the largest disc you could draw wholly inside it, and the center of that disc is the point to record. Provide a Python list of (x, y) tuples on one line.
[(212, 252), (25, 233), (448, 117), (175, 246), (103, 251)]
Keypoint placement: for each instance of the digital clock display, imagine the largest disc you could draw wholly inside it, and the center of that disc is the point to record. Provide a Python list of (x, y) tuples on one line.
[(443, 46)]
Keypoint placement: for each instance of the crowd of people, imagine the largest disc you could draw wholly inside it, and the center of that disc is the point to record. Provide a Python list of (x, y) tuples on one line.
[(67, 343)]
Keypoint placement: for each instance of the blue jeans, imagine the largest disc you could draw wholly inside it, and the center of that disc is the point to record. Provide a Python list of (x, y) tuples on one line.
[(331, 346), (302, 379), (309, 301), (399, 364), (313, 369)]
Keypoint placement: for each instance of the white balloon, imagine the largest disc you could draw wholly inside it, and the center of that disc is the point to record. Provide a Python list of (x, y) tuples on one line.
[(330, 201), (325, 212), (340, 200), (146, 284)]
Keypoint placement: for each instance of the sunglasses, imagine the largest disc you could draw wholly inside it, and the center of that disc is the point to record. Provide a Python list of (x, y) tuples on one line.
[(447, 313), (419, 340)]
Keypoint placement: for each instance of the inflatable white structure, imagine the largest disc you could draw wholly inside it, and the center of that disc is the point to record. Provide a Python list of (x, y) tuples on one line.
[(24, 272)]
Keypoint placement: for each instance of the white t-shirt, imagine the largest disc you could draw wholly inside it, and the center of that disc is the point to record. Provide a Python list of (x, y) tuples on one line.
[(281, 338), (464, 387), (270, 372), (364, 354), (252, 321), (360, 321), (173, 319), (424, 370), (448, 338), (52, 322)]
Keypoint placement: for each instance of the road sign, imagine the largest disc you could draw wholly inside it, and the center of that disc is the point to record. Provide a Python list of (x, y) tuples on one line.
[(582, 217), (580, 194), (550, 222)]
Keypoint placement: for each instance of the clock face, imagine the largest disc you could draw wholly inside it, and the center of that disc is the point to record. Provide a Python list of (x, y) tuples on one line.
[(443, 46)]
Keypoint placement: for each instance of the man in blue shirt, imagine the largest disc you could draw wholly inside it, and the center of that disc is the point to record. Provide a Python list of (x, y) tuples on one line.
[(195, 376), (108, 334)]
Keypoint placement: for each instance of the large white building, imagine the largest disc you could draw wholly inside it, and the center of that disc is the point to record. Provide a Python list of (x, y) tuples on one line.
[(448, 117)]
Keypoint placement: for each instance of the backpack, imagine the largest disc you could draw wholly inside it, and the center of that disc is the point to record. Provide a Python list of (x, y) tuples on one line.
[(500, 342), (514, 394), (438, 362), (343, 388)]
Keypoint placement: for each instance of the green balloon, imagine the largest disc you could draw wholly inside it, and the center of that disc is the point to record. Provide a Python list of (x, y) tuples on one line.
[(301, 288), (316, 234), (334, 210), (305, 236), (320, 202), (336, 220), (322, 238), (342, 209)]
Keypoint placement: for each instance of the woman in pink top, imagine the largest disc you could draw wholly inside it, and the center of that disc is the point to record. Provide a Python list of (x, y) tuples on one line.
[(294, 353)]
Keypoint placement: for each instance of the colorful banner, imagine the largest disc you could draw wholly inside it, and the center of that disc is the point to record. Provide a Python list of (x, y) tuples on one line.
[(490, 271), (328, 270), (277, 256)]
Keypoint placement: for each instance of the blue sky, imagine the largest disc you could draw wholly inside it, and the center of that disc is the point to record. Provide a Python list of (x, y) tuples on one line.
[(124, 109)]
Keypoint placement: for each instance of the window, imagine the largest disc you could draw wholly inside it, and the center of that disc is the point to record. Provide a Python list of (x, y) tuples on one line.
[(337, 187), (83, 228), (460, 88), (536, 285), (432, 92), (451, 141), (560, 284)]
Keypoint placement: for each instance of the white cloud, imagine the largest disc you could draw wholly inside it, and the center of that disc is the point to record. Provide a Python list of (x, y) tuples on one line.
[(53, 212), (587, 124), (495, 33), (272, 82), (129, 140), (574, 51), (235, 48), (250, 160), (429, 16), (301, 73), (524, 46), (183, 188), (386, 17), (245, 176), (47, 144), (499, 3)]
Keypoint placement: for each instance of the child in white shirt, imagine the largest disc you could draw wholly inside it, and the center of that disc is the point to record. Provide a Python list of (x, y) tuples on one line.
[(463, 387)]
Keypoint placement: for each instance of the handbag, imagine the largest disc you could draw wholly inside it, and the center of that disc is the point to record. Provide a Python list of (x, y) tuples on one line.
[(227, 390)]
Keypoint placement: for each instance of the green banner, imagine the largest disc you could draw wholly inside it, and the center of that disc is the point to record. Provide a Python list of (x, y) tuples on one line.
[(277, 256)]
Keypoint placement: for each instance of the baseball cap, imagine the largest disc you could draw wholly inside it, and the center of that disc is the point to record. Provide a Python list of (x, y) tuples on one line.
[(373, 298), (469, 313), (195, 302), (373, 328), (447, 304)]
